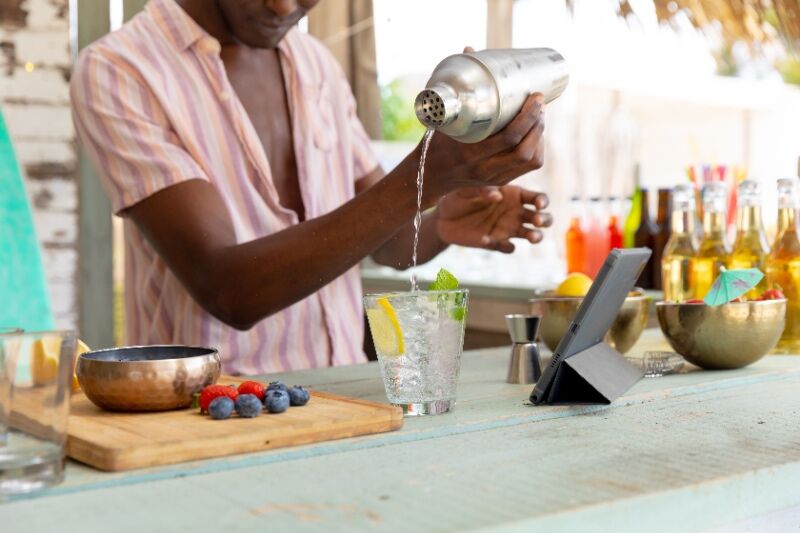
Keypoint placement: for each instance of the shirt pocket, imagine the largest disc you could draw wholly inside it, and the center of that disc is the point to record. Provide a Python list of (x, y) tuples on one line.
[(320, 115)]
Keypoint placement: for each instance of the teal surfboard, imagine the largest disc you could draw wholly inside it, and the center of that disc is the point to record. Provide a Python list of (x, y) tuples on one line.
[(24, 301)]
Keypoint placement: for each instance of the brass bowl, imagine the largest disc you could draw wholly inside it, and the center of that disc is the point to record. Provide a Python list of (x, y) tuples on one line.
[(558, 311), (147, 378), (726, 336)]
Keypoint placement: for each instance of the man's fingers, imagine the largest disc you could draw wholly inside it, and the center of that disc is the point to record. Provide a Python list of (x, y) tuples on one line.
[(533, 236), (516, 130), (506, 247), (500, 245), (539, 200), (468, 49), (526, 156), (537, 219)]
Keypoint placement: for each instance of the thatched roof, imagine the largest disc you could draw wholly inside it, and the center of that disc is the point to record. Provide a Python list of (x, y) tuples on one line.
[(754, 21)]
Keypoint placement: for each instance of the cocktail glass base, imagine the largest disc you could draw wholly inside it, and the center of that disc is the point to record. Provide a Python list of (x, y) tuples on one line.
[(436, 407)]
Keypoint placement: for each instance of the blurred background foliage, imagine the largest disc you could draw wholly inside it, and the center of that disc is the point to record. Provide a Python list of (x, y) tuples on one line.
[(397, 109)]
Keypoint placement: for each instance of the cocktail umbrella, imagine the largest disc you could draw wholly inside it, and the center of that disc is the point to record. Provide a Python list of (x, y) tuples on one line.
[(731, 284)]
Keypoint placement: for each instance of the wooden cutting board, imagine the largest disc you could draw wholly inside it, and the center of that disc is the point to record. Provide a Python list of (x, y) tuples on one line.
[(124, 441)]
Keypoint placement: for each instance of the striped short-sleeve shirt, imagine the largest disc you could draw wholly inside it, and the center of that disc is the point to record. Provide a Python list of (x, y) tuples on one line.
[(153, 107)]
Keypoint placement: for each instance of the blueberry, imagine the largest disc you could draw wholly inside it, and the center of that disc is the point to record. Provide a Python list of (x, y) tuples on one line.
[(277, 401), (277, 385), (220, 408), (298, 395), (248, 405)]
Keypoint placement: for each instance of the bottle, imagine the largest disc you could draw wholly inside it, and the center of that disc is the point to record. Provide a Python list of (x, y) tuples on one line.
[(681, 246), (472, 95), (750, 250), (635, 212), (783, 264), (662, 234), (645, 238), (576, 238), (713, 251), (596, 238), (614, 236)]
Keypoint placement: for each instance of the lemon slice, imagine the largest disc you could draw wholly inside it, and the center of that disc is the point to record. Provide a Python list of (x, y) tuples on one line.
[(82, 348), (386, 330), (44, 360)]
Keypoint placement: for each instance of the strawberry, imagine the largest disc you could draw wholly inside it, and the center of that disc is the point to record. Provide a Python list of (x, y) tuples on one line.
[(252, 387), (215, 391), (772, 294), (694, 301)]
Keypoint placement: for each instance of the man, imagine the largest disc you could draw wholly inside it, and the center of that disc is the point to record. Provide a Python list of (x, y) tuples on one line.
[(228, 141)]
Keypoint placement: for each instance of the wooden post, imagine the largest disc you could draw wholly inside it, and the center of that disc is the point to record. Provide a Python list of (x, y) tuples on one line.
[(499, 26), (347, 29), (131, 7), (326, 22), (96, 295)]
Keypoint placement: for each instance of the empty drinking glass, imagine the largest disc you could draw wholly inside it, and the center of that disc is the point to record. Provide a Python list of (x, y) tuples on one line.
[(35, 385)]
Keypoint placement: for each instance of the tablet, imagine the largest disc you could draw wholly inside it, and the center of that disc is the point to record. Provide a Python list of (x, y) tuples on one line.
[(597, 312)]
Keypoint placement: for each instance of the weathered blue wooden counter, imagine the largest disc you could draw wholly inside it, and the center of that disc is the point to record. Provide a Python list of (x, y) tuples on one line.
[(694, 451)]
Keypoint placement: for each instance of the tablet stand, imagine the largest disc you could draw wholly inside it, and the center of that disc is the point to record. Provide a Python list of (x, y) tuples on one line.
[(598, 374)]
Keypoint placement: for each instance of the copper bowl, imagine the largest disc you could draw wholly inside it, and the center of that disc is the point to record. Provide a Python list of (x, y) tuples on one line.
[(726, 336), (147, 378), (557, 313)]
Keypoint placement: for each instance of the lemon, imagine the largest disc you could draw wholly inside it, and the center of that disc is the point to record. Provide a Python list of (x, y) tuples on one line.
[(386, 330), (44, 360), (82, 348), (577, 284)]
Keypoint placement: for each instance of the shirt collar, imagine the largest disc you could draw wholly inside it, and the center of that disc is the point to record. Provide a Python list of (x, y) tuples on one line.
[(175, 23), (183, 31)]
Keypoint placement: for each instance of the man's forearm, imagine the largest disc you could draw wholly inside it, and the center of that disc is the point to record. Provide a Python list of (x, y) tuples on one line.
[(243, 283), (302, 259), (397, 251)]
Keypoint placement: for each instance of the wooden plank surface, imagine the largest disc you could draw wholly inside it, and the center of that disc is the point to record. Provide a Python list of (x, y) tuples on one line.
[(680, 453), (124, 441)]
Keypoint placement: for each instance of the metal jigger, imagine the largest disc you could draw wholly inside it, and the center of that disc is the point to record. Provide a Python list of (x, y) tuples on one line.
[(524, 364)]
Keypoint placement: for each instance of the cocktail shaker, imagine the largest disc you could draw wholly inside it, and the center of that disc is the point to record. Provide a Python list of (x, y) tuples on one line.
[(475, 94)]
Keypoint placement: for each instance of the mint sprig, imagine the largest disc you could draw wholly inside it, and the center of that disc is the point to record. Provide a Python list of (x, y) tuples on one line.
[(445, 281)]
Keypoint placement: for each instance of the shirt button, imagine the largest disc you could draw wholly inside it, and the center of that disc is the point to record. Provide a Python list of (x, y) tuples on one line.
[(210, 45), (224, 96)]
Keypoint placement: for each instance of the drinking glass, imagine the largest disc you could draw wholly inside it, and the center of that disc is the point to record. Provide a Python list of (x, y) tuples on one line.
[(35, 385), (419, 337)]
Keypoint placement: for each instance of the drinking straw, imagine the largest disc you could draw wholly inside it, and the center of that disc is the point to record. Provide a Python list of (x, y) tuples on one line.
[(706, 173), (733, 195)]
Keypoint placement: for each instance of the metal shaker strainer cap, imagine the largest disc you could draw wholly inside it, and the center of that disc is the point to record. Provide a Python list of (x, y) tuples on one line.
[(437, 106)]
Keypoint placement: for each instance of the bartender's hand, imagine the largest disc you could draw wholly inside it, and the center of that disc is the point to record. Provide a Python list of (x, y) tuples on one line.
[(515, 150), (489, 217)]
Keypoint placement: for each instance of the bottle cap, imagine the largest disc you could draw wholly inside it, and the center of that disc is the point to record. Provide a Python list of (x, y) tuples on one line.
[(787, 192), (715, 197), (683, 198), (749, 194)]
